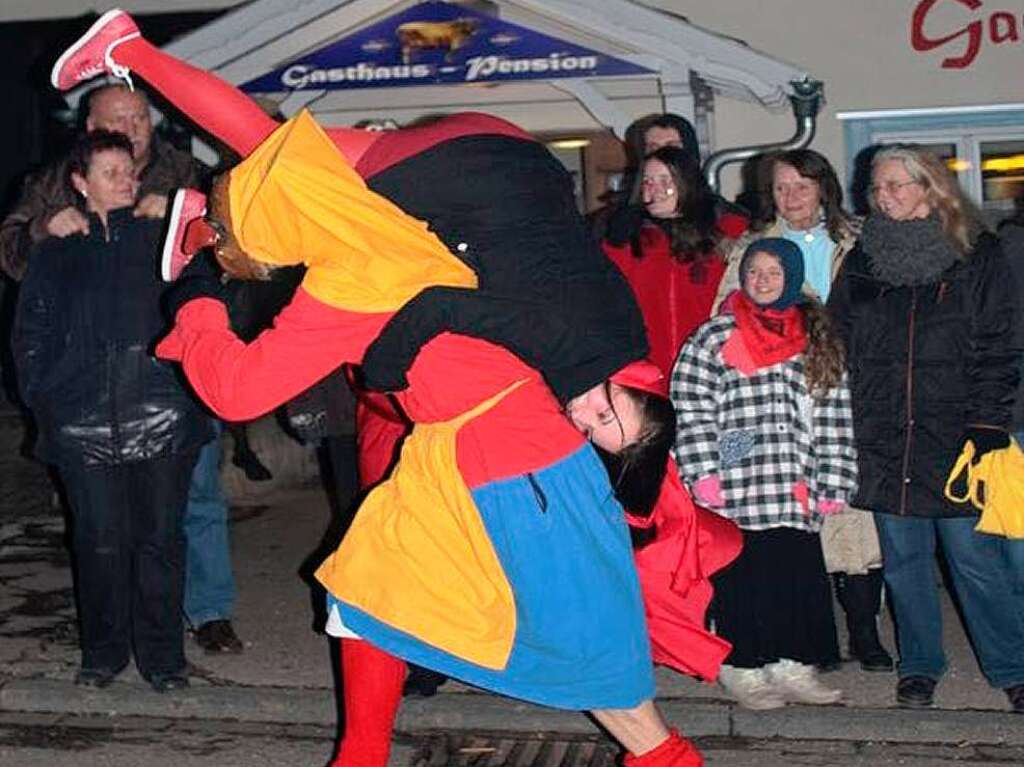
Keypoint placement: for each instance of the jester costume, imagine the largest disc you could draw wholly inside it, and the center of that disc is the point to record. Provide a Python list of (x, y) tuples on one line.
[(498, 526), (495, 552)]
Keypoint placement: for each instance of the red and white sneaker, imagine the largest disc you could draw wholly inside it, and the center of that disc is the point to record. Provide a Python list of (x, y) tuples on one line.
[(89, 56), (184, 239)]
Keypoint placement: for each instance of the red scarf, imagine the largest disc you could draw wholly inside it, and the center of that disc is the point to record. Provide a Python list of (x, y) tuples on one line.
[(770, 335)]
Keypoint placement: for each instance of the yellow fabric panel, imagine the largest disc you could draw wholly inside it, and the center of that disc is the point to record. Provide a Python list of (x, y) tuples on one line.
[(295, 200), (418, 557)]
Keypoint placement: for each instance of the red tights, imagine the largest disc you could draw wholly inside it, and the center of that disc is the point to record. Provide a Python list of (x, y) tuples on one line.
[(216, 106), (372, 682)]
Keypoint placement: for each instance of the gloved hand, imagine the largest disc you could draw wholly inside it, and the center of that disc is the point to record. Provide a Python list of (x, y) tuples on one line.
[(985, 439), (200, 279), (708, 492), (826, 506)]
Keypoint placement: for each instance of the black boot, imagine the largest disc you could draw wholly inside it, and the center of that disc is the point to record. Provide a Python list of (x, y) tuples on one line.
[(422, 682), (861, 598)]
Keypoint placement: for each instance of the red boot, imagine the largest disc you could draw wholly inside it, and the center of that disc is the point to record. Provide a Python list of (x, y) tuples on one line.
[(372, 683), (675, 751)]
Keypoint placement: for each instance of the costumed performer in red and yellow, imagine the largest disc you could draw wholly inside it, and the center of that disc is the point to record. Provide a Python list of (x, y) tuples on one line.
[(495, 551)]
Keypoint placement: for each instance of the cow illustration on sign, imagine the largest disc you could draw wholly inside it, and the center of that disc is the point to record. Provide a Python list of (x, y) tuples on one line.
[(428, 35)]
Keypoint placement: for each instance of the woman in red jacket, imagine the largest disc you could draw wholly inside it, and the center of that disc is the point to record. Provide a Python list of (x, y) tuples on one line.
[(668, 242)]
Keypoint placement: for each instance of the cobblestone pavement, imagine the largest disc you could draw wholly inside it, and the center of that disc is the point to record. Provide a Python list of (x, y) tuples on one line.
[(27, 740), (25, 486), (38, 630)]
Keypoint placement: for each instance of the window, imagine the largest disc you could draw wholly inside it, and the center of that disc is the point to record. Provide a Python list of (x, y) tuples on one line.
[(984, 146)]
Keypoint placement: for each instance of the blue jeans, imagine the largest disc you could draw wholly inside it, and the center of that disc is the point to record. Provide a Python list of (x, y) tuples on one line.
[(984, 585), (209, 581)]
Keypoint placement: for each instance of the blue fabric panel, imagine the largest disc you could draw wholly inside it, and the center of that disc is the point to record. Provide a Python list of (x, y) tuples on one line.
[(581, 640)]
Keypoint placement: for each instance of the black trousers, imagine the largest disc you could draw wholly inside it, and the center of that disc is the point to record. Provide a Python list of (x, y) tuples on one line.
[(774, 600), (129, 552)]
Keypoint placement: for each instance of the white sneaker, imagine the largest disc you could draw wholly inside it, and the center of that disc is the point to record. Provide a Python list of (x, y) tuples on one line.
[(799, 683), (750, 688)]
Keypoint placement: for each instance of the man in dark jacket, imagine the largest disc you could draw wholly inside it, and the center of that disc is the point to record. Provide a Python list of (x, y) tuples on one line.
[(47, 208)]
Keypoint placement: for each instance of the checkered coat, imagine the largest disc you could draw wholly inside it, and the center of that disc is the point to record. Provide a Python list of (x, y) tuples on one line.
[(760, 434)]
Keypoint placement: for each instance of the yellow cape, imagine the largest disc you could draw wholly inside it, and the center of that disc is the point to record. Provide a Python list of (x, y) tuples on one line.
[(418, 557), (295, 200)]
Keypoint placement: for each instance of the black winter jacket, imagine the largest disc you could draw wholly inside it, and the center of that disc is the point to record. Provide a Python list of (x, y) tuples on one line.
[(924, 363), (88, 315)]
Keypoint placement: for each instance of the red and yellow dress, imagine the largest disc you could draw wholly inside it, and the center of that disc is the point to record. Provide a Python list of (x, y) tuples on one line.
[(495, 552)]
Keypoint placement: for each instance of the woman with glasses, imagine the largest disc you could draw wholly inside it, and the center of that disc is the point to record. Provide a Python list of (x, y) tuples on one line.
[(805, 206), (669, 246), (926, 308)]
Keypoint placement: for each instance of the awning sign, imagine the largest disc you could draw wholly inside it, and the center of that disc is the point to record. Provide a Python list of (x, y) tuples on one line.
[(434, 42)]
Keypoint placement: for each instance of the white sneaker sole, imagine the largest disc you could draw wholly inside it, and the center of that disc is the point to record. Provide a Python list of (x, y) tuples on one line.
[(97, 25), (167, 254)]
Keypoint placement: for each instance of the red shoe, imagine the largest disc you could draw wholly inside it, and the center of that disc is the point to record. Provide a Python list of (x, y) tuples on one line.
[(90, 55), (183, 241), (675, 751)]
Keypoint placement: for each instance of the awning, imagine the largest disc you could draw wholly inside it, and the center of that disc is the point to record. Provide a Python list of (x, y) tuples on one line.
[(647, 54)]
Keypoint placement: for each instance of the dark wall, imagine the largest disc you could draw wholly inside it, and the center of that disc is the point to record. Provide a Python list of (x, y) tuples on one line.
[(36, 128), (32, 132)]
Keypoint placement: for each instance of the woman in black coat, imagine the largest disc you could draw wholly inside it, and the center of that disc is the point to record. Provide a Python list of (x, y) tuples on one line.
[(116, 422), (926, 307)]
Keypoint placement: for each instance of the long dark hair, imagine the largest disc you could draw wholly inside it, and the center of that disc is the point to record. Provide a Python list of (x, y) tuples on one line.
[(812, 165), (636, 136), (637, 471), (693, 231), (825, 356)]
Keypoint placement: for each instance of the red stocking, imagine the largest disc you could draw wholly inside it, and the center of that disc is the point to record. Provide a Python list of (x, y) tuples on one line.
[(675, 751), (215, 105), (372, 683)]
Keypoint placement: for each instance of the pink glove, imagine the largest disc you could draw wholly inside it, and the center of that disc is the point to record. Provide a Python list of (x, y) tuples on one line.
[(708, 492), (803, 495), (827, 506)]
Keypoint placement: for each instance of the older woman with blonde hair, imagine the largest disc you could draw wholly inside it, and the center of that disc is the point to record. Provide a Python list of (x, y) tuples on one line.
[(925, 305)]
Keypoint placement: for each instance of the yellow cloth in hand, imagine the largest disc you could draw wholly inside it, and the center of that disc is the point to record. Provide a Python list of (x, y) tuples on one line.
[(995, 486)]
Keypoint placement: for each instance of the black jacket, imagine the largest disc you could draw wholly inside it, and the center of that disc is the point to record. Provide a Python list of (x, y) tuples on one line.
[(88, 315), (924, 363), (546, 290)]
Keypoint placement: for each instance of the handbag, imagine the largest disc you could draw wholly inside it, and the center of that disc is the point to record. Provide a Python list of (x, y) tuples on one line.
[(995, 486)]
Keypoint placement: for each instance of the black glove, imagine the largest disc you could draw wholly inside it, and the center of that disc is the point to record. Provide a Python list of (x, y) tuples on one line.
[(985, 440), (624, 223), (200, 279)]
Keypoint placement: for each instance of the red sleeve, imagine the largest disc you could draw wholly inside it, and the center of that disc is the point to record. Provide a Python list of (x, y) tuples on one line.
[(394, 146), (732, 225), (241, 381)]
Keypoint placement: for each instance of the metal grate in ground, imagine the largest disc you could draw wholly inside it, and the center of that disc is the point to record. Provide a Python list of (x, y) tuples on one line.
[(481, 750)]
